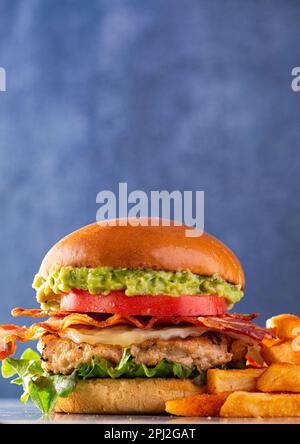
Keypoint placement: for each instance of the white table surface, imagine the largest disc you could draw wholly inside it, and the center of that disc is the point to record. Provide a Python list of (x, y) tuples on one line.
[(13, 411)]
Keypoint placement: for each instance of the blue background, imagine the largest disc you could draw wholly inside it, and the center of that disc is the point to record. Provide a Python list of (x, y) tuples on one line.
[(162, 94)]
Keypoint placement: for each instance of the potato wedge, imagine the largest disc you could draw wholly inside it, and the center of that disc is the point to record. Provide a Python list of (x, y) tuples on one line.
[(264, 405), (285, 326), (197, 405), (219, 381), (281, 377), (286, 351)]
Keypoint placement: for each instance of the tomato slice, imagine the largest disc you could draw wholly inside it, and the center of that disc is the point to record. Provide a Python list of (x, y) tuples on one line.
[(144, 305)]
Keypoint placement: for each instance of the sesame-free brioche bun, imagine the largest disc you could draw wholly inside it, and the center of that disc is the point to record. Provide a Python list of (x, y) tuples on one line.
[(138, 247), (125, 396)]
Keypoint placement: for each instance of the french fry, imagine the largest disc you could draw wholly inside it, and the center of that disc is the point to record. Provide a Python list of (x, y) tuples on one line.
[(264, 405), (197, 405), (219, 381), (285, 326), (286, 351), (280, 378)]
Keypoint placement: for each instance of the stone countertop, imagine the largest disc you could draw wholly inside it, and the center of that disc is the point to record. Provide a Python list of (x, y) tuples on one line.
[(13, 411)]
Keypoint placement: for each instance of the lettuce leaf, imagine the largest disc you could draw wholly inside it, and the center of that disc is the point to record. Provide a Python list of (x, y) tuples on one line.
[(44, 388), (127, 368)]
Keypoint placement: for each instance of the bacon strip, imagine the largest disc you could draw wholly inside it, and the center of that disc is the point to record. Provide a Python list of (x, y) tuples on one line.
[(235, 324), (238, 324), (10, 333), (101, 320), (37, 313), (78, 319)]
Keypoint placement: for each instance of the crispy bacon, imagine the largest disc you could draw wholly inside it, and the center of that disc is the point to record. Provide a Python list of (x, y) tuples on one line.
[(242, 316), (10, 333), (241, 325), (78, 319), (235, 324), (104, 320), (37, 313)]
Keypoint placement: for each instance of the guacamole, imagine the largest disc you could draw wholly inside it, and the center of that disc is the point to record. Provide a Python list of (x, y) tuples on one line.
[(134, 282)]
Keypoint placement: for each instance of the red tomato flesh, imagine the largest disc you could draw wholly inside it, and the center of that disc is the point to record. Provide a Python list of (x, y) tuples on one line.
[(143, 305)]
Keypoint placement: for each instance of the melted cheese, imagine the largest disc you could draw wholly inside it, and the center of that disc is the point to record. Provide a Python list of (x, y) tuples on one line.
[(125, 335)]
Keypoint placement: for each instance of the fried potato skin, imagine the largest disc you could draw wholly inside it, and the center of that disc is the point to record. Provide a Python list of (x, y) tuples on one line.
[(264, 405), (281, 377), (285, 326), (286, 351), (219, 381), (197, 405)]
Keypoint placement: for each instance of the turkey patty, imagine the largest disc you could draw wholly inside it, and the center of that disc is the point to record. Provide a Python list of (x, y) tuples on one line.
[(62, 356)]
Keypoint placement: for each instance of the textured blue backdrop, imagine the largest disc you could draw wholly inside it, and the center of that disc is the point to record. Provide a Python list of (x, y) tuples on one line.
[(164, 95)]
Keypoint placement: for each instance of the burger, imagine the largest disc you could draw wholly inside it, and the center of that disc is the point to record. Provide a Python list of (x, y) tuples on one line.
[(135, 316)]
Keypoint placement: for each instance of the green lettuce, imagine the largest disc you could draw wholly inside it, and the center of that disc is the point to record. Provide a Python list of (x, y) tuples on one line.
[(44, 388), (127, 368), (41, 387)]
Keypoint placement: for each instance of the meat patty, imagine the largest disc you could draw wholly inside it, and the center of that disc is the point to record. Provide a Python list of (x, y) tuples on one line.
[(62, 356), (206, 351)]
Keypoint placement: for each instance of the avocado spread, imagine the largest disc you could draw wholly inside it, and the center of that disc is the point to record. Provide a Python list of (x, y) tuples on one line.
[(134, 282)]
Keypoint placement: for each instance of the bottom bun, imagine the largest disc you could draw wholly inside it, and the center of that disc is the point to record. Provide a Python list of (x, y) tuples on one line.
[(125, 396)]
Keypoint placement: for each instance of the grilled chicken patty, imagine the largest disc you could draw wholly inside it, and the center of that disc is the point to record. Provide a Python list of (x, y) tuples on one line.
[(62, 356)]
